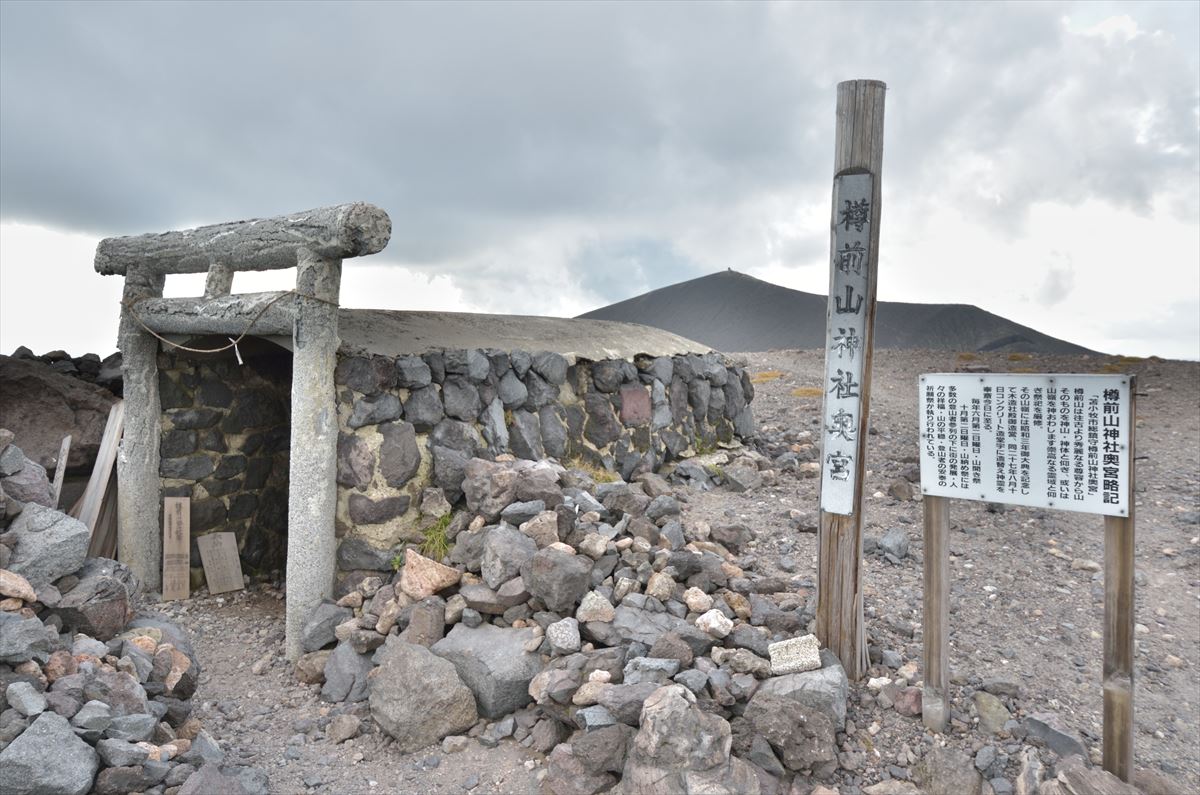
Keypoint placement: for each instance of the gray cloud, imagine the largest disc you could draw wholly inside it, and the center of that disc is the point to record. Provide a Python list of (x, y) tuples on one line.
[(1057, 285), (611, 130)]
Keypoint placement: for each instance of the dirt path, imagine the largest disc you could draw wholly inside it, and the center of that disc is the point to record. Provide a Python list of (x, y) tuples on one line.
[(269, 720)]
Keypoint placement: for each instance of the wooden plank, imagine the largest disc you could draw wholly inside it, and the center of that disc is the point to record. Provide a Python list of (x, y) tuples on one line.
[(935, 708), (177, 555), (222, 566), (858, 147), (1118, 623), (93, 495), (103, 543), (60, 469)]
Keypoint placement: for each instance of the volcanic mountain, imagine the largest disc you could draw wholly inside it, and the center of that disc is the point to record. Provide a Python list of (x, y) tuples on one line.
[(731, 311)]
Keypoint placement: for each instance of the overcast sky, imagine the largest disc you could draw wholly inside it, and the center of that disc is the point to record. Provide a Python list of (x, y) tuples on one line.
[(1041, 159)]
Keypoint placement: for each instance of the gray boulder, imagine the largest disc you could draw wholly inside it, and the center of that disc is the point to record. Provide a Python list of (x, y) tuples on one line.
[(493, 663), (558, 578), (119, 690), (22, 639), (49, 545), (48, 759), (211, 778), (135, 728), (346, 674), (461, 399), (25, 699), (568, 773), (418, 697), (449, 467), (103, 602), (505, 551), (635, 624), (1049, 728), (550, 366), (412, 372), (29, 483), (624, 702), (374, 409), (512, 391), (947, 771), (489, 487), (43, 406), (682, 749), (521, 512), (801, 714), (894, 543), (121, 753), (424, 408), (317, 632)]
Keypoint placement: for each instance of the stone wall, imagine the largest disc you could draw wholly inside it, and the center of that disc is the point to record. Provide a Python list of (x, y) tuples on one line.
[(411, 422), (225, 440)]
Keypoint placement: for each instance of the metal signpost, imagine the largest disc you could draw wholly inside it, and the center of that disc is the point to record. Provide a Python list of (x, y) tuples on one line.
[(854, 261), (1050, 441)]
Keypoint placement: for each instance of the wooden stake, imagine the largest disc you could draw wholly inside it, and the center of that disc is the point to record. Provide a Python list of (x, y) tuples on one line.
[(97, 487), (60, 469), (858, 147), (104, 536), (935, 708), (1118, 624)]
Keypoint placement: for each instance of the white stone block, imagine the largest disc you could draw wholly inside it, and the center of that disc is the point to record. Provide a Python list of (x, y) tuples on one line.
[(795, 655)]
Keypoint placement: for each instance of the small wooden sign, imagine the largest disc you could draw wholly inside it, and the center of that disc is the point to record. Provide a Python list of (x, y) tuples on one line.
[(222, 566), (177, 550)]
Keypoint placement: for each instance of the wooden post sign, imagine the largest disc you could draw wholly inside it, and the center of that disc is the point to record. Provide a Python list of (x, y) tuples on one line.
[(222, 566), (1049, 441), (177, 548), (850, 321)]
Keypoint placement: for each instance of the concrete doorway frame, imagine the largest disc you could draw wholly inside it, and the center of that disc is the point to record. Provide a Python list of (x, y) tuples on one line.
[(315, 243)]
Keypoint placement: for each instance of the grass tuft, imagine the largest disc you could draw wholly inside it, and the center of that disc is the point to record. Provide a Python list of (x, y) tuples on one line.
[(807, 391), (966, 356), (435, 544), (1020, 357), (765, 376), (598, 474)]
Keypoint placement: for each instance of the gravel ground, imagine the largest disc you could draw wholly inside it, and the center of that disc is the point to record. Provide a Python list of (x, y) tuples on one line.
[(1026, 606)]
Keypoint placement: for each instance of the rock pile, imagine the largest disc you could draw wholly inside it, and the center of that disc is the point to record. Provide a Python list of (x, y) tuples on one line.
[(585, 620), (89, 367), (21, 480), (93, 697), (47, 405)]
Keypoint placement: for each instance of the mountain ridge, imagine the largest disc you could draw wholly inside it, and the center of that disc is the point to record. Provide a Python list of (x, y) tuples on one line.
[(732, 311)]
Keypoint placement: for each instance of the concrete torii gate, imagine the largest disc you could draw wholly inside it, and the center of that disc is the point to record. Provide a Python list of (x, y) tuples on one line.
[(315, 243)]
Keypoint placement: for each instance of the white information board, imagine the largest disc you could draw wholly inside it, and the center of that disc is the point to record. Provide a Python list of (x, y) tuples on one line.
[(846, 319), (1049, 441)]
